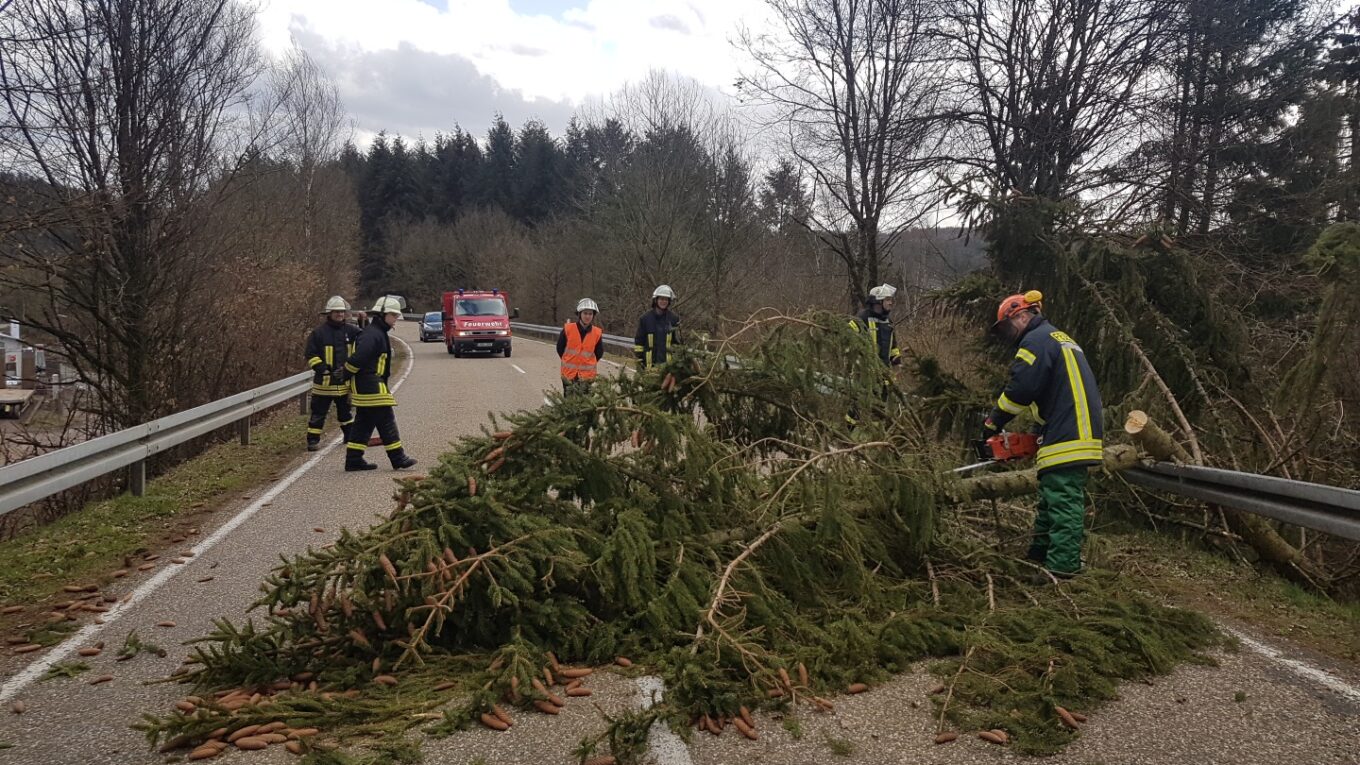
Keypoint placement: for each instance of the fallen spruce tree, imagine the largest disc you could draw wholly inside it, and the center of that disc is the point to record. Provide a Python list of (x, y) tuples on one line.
[(725, 526)]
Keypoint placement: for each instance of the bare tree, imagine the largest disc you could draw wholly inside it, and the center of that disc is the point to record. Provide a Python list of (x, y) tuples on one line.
[(662, 101), (1044, 86), (313, 127), (667, 213), (119, 107), (855, 86)]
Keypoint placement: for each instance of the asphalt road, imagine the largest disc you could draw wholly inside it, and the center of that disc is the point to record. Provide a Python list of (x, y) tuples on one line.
[(1250, 709)]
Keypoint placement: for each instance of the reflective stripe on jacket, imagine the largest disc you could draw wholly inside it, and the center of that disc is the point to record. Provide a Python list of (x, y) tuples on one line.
[(880, 334), (328, 348), (654, 338), (578, 356), (369, 367), (1051, 379)]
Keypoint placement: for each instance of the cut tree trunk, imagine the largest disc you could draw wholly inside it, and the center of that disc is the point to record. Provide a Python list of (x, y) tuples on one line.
[(1256, 531), (1117, 457), (1153, 440)]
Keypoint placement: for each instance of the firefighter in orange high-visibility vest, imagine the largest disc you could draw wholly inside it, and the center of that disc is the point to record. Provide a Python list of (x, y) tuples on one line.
[(580, 345)]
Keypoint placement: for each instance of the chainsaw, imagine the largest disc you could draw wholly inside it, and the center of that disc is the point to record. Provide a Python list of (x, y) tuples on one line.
[(1002, 447)]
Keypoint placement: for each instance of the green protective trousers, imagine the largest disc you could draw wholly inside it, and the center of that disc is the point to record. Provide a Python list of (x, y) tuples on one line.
[(1059, 525)]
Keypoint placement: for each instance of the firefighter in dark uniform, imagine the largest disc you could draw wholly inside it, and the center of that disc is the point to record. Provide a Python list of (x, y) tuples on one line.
[(1051, 379), (874, 322), (328, 347), (656, 331), (369, 367)]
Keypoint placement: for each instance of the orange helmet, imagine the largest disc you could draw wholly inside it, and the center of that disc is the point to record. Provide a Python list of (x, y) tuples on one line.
[(1014, 305), (1017, 303)]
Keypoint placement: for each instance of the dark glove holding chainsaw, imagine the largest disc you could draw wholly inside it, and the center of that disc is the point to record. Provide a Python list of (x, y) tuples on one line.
[(989, 429)]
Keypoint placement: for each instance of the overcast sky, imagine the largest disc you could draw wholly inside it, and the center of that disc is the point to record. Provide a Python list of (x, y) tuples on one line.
[(417, 67)]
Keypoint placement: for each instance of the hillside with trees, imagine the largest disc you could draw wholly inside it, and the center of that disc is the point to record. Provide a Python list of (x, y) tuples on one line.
[(1179, 177)]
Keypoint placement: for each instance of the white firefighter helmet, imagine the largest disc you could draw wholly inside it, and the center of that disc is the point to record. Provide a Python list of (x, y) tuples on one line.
[(586, 304), (336, 303), (387, 304), (881, 292), (664, 291)]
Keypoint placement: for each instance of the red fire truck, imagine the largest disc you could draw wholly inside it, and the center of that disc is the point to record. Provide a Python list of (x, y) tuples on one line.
[(477, 321)]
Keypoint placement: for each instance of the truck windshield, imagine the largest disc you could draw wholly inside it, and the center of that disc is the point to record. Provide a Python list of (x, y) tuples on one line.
[(481, 307)]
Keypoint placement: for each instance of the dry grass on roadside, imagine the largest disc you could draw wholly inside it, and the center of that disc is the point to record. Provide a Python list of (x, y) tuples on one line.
[(84, 547)]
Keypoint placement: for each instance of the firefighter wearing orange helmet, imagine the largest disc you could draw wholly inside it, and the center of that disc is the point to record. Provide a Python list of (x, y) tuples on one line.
[(1052, 381)]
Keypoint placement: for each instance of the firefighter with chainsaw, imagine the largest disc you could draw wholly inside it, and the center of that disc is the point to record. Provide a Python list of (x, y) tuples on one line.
[(656, 331), (580, 345), (1051, 379), (328, 348), (369, 368)]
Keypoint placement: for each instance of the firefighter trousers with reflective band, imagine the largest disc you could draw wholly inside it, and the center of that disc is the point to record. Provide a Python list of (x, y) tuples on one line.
[(321, 405), (1059, 526), (366, 420)]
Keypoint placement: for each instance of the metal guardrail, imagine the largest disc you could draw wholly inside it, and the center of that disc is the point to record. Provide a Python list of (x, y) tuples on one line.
[(40, 477), (1329, 509), (616, 342)]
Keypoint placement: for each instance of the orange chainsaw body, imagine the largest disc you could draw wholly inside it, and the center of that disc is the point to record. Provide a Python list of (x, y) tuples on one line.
[(1004, 447)]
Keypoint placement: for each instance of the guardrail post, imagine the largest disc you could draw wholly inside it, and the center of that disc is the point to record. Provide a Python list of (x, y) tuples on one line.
[(243, 429), (302, 404), (137, 478)]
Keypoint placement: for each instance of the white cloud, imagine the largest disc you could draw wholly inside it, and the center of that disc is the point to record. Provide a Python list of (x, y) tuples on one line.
[(526, 58)]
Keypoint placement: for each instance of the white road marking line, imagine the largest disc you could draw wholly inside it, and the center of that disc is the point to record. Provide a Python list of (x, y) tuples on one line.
[(517, 369), (38, 668), (1302, 669), (663, 746)]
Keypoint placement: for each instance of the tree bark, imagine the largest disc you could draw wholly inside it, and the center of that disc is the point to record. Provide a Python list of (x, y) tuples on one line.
[(1153, 440), (1253, 529), (1117, 457)]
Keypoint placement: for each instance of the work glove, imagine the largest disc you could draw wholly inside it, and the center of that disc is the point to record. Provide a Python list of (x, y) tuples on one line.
[(989, 429), (339, 376)]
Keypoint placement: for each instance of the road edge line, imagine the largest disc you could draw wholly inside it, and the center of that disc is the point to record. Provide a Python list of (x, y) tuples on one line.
[(1301, 668), (26, 676)]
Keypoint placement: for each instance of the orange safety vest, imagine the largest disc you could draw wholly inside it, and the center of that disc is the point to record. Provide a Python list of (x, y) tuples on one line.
[(578, 358)]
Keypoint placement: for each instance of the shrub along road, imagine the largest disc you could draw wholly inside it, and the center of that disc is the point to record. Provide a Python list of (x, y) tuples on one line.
[(1250, 709)]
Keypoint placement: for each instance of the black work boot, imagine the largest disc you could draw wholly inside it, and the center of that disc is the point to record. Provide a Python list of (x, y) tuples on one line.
[(401, 461), (313, 445), (354, 461)]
